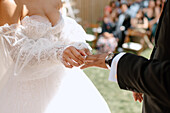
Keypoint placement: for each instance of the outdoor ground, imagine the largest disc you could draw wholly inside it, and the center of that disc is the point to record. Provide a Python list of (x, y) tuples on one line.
[(118, 100)]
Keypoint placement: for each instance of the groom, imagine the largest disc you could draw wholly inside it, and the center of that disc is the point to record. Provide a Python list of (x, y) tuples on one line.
[(138, 74)]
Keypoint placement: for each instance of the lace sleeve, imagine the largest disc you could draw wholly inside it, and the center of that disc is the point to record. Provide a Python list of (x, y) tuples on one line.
[(74, 34), (27, 51)]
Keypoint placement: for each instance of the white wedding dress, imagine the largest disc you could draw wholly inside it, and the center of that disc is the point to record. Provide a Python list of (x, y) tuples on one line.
[(32, 77)]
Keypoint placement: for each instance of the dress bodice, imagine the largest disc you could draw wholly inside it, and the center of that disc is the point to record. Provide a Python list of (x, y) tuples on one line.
[(35, 44), (36, 27)]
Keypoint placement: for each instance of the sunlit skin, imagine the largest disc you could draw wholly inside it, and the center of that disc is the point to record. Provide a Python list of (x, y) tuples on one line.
[(14, 12)]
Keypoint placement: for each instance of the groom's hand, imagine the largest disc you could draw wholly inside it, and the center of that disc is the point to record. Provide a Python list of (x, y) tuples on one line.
[(138, 96), (95, 60)]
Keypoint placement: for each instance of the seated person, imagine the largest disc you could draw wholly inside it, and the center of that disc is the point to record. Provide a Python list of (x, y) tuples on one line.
[(153, 14), (107, 42), (140, 24), (123, 24), (140, 21), (134, 7)]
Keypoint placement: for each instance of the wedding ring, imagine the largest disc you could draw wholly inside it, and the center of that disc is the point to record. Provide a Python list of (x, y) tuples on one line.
[(85, 57)]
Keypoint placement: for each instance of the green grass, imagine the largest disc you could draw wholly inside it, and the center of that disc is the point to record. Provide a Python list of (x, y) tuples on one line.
[(118, 100)]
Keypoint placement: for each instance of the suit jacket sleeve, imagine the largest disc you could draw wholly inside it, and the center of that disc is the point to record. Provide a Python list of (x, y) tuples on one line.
[(150, 77)]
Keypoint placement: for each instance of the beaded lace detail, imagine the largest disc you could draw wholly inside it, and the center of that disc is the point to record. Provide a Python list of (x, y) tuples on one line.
[(36, 41)]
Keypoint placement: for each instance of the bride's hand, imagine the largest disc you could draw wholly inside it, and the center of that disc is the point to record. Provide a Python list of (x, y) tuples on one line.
[(85, 52), (73, 57)]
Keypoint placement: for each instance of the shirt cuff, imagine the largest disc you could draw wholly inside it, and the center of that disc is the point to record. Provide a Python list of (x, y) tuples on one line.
[(113, 70)]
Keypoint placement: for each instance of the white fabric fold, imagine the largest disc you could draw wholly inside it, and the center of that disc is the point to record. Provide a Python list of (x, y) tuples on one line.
[(113, 70)]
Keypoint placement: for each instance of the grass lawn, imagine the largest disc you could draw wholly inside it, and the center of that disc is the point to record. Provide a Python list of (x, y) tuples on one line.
[(118, 100)]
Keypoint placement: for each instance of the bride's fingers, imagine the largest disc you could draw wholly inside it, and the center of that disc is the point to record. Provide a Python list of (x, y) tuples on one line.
[(85, 52), (76, 53), (75, 59), (73, 51), (82, 52), (67, 65), (71, 62), (88, 52)]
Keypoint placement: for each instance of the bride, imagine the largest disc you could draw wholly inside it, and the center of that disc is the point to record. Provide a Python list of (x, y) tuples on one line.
[(36, 46)]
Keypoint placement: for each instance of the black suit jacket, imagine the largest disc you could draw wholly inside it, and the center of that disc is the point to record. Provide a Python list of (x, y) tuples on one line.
[(151, 77)]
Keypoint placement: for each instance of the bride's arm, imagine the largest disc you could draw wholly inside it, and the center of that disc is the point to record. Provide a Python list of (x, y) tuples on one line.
[(25, 51), (75, 36)]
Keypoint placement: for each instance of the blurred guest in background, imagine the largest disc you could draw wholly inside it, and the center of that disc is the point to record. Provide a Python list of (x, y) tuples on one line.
[(108, 9), (134, 7), (107, 42), (140, 21), (123, 24), (153, 14), (121, 14)]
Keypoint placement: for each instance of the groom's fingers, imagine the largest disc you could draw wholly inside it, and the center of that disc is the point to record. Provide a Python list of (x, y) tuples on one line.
[(141, 98), (138, 97), (135, 96), (91, 57)]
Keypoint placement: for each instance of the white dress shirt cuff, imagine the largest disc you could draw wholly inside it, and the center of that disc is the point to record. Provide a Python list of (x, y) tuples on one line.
[(113, 70)]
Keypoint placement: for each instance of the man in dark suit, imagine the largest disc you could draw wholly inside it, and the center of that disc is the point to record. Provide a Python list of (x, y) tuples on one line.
[(138, 74)]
